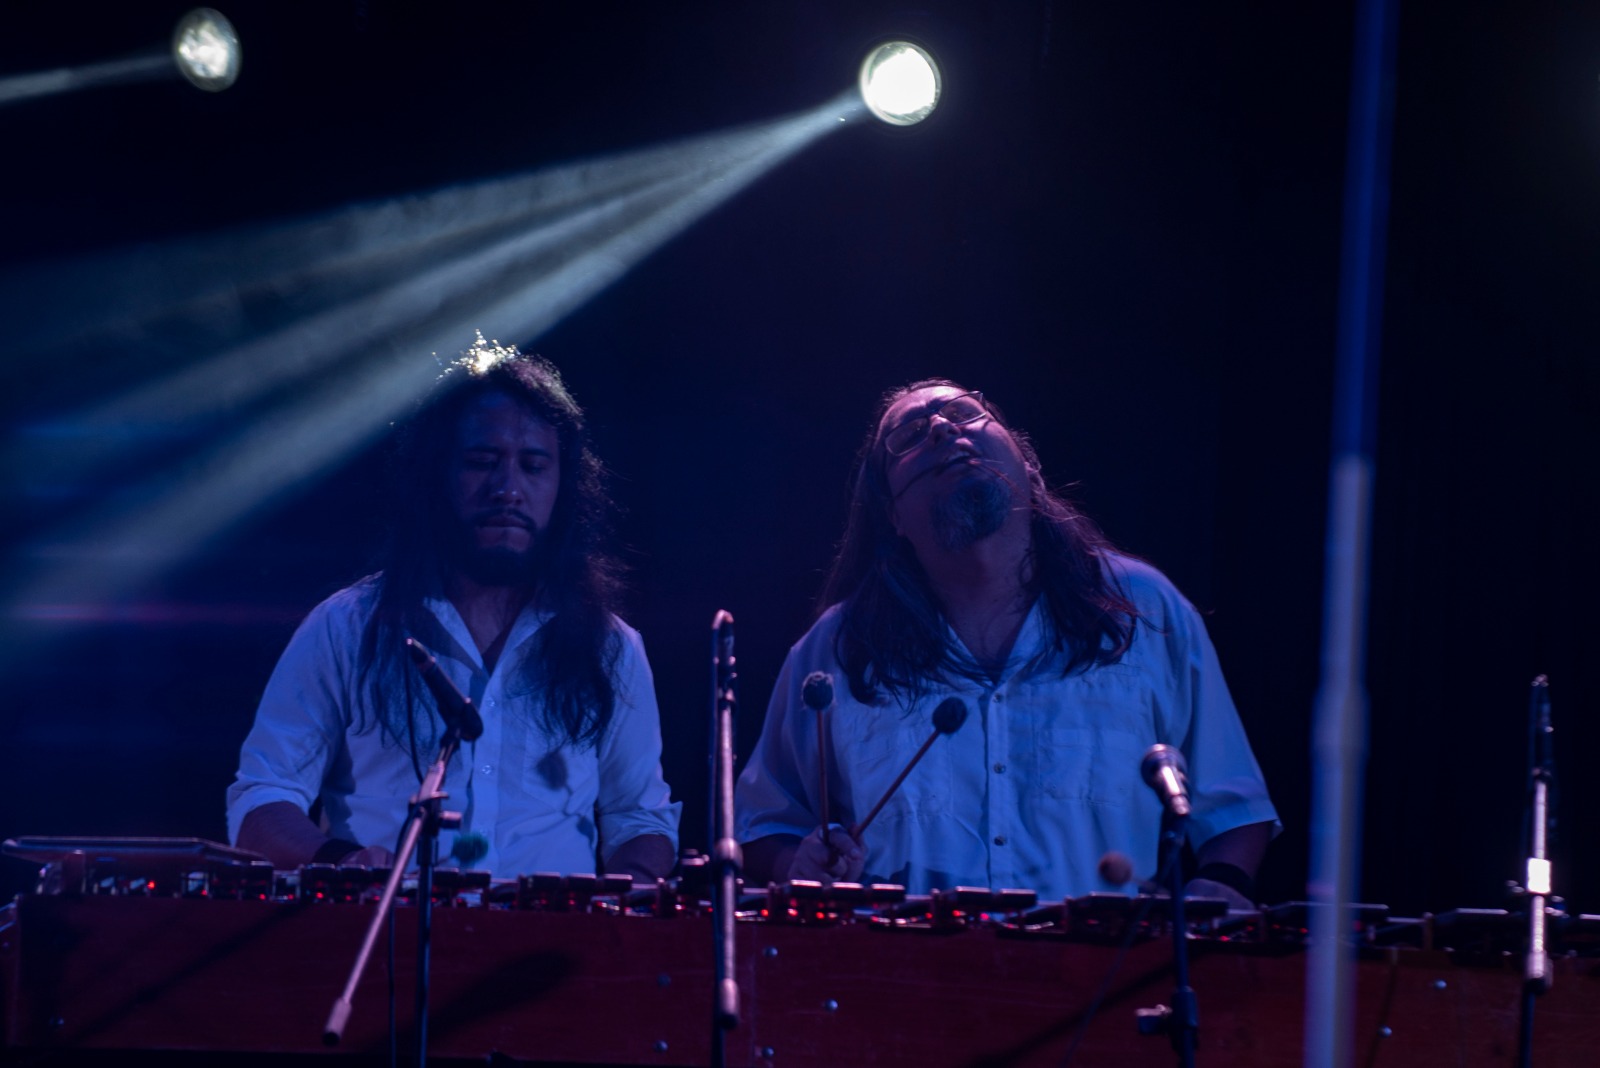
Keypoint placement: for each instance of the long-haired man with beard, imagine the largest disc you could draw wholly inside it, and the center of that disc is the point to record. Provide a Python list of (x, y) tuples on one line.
[(497, 562), (962, 575)]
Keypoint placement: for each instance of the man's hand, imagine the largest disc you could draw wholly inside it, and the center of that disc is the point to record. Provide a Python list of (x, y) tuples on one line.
[(839, 859), (369, 857), (1207, 888)]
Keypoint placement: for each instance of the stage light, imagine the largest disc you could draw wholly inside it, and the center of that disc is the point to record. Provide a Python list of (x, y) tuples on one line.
[(206, 49), (900, 83)]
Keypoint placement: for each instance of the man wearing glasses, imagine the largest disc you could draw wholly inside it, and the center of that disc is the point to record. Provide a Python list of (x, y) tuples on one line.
[(962, 576)]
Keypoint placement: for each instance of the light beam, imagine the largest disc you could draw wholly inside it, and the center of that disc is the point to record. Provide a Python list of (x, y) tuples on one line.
[(326, 388)]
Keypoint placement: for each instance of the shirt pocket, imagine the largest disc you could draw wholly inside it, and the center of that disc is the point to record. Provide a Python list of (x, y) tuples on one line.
[(1098, 766), (1091, 745)]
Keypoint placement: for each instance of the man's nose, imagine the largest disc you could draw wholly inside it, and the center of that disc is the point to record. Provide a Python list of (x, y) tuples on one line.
[(503, 485), (940, 428)]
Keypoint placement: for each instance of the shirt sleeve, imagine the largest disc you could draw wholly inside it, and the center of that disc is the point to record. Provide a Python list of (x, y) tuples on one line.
[(300, 723), (633, 797), (1227, 789), (773, 795)]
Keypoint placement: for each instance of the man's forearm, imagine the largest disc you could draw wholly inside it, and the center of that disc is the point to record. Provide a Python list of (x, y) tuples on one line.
[(768, 860), (282, 833), (647, 858), (1242, 847)]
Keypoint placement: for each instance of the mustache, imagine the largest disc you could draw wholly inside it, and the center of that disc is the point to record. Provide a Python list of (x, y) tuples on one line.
[(992, 466)]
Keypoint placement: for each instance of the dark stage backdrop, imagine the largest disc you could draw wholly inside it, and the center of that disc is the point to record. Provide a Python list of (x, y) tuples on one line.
[(1123, 225)]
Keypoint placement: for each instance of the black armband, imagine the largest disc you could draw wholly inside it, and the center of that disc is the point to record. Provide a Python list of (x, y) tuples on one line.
[(1230, 875), (334, 850)]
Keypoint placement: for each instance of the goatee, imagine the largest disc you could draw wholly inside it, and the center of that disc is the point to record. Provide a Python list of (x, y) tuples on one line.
[(496, 565), (973, 510)]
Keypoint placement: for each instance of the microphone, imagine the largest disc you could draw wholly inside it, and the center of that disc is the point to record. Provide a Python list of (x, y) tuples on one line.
[(1164, 771), (817, 693), (722, 641), (947, 719), (454, 707)]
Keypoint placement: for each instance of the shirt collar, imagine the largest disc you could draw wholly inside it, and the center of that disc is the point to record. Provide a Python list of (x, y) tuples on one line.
[(528, 621), (1028, 647)]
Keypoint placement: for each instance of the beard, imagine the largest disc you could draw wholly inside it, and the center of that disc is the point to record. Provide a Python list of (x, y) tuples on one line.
[(496, 565), (976, 508)]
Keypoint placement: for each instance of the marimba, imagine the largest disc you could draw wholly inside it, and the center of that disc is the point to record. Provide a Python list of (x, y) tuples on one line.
[(233, 957)]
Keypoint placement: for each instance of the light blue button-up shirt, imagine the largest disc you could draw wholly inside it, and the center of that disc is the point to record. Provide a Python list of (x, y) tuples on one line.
[(539, 804), (1041, 781)]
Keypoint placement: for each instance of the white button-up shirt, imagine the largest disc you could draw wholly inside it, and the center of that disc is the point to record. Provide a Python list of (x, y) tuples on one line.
[(1043, 778), (539, 804)]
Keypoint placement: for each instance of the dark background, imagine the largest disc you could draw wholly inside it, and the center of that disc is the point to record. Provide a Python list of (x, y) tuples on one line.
[(1122, 224)]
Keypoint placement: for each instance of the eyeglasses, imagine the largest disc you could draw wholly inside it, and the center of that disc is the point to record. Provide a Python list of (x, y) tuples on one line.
[(962, 408)]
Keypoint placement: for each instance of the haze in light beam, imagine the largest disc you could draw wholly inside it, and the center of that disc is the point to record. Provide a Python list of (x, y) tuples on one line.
[(143, 68), (327, 388)]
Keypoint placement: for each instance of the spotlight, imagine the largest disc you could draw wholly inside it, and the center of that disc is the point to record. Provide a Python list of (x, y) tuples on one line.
[(900, 83), (206, 49)]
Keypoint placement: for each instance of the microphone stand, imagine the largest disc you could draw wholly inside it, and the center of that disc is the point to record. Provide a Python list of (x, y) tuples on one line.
[(1184, 1023), (423, 825), (1536, 967), (727, 857)]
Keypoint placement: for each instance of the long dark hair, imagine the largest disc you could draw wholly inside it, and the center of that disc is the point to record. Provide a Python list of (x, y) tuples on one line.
[(892, 632), (576, 575)]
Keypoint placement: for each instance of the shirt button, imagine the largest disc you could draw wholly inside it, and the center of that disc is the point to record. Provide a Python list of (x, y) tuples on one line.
[(999, 839), (488, 769), (999, 769), (999, 697)]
